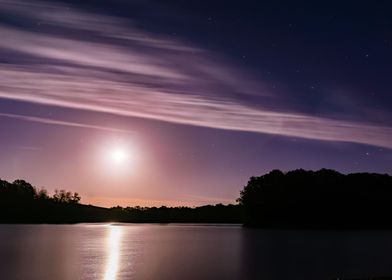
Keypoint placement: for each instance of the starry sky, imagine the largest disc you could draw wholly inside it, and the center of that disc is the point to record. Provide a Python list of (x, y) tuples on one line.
[(201, 94)]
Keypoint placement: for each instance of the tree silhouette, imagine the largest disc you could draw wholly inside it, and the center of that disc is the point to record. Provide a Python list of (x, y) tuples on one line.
[(318, 199), (20, 202), (295, 199), (63, 196)]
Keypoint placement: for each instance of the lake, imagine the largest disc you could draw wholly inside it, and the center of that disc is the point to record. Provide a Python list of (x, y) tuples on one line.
[(189, 251)]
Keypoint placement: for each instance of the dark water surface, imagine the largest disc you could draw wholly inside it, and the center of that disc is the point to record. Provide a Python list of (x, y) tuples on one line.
[(144, 251)]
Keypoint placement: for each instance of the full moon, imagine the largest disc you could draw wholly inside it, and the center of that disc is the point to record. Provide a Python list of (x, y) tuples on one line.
[(118, 155), (118, 158)]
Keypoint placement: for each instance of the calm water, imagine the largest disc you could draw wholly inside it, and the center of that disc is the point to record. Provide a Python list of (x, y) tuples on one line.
[(98, 251)]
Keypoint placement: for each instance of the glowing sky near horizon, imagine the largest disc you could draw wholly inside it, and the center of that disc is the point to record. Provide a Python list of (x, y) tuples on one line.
[(199, 96)]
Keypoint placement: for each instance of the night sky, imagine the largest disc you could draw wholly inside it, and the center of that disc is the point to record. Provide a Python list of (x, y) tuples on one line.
[(198, 96)]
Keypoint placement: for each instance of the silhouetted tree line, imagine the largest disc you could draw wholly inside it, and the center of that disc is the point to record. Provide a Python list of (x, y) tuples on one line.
[(318, 199), (20, 202), (22, 191), (218, 213), (296, 199)]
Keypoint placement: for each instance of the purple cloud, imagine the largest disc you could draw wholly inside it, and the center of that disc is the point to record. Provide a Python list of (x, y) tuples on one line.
[(120, 69)]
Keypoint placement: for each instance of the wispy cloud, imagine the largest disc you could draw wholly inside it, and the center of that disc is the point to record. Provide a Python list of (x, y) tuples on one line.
[(94, 62), (28, 148), (62, 123)]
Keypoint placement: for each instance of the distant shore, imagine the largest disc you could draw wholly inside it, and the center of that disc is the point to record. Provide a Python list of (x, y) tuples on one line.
[(299, 199)]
